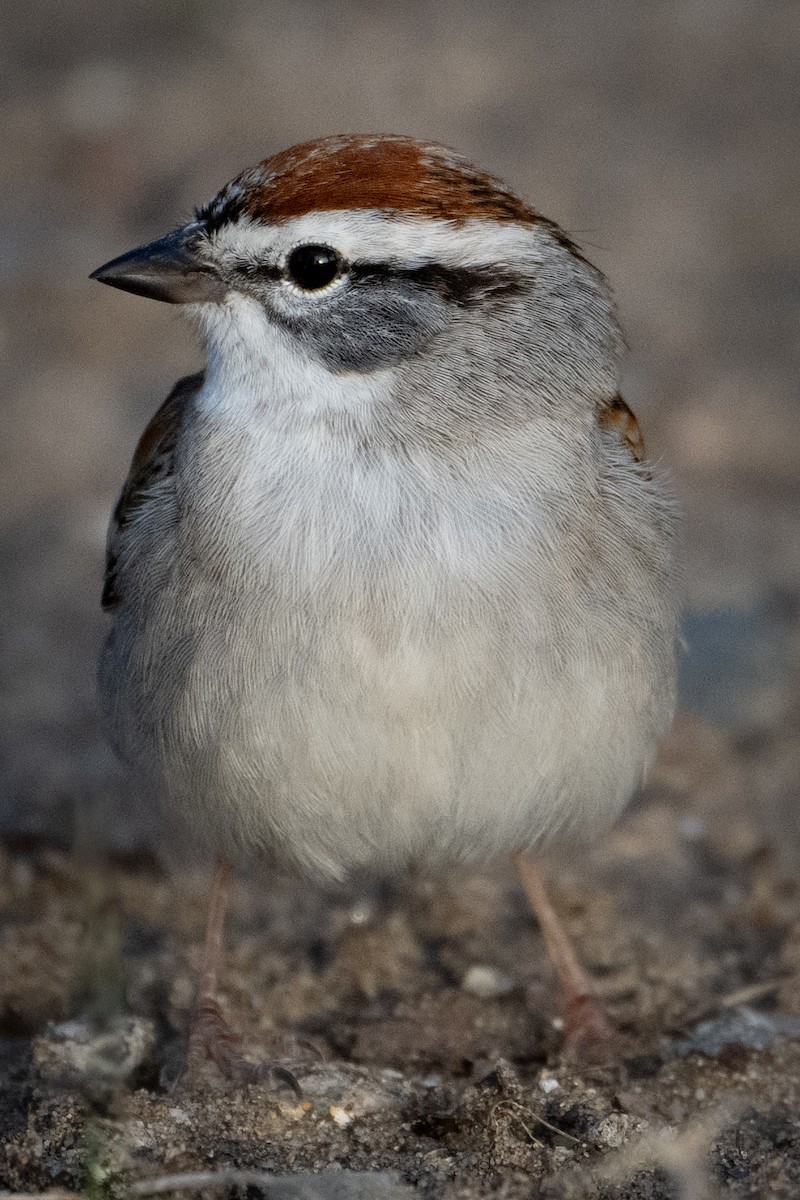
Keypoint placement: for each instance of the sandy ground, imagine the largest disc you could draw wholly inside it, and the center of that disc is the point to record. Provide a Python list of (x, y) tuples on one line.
[(419, 1016)]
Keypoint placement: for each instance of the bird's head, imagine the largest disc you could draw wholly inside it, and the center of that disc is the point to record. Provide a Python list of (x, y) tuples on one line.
[(363, 254)]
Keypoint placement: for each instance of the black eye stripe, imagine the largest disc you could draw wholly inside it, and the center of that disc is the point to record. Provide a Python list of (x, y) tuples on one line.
[(459, 285), (462, 286)]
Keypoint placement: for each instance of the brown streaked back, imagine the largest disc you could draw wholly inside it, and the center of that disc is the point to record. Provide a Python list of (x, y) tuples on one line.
[(152, 462)]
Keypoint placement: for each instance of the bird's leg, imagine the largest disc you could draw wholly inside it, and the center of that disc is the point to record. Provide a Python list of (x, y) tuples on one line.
[(587, 1031), (210, 1036)]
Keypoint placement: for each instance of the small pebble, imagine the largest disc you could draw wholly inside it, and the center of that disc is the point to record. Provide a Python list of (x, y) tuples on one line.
[(615, 1130), (486, 982), (362, 912)]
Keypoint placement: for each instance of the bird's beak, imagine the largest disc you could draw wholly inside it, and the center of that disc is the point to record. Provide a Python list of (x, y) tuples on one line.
[(170, 269)]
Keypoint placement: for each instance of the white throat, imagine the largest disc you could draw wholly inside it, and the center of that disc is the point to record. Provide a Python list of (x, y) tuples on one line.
[(257, 372)]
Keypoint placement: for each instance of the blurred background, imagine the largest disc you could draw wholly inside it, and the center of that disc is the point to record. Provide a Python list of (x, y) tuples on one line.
[(662, 137)]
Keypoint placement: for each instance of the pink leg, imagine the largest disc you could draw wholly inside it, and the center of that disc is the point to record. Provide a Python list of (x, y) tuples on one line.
[(587, 1032), (210, 1036)]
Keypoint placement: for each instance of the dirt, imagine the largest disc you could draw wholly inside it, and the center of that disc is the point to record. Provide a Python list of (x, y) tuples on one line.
[(421, 1019), (419, 1016)]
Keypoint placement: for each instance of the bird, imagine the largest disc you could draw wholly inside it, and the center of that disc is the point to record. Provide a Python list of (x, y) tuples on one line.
[(392, 582)]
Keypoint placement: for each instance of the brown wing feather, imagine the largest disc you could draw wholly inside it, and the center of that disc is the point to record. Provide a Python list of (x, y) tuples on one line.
[(152, 462), (620, 419)]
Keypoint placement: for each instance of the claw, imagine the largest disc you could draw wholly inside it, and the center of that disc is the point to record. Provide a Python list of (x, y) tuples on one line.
[(212, 1040)]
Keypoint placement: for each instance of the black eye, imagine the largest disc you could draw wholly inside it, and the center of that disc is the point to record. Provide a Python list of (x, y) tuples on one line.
[(313, 267)]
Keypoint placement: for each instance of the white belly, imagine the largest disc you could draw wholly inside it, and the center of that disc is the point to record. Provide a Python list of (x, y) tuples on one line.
[(341, 747), (387, 758)]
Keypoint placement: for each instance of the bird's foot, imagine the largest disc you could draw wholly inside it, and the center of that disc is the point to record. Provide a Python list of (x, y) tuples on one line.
[(588, 1034), (211, 1040)]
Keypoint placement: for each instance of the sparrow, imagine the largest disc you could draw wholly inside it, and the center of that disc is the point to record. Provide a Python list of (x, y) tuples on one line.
[(392, 581)]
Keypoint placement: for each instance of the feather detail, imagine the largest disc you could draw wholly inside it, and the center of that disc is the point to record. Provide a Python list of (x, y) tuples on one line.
[(618, 417), (152, 463)]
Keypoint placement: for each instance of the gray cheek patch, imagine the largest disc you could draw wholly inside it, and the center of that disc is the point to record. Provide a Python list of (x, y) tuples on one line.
[(370, 324)]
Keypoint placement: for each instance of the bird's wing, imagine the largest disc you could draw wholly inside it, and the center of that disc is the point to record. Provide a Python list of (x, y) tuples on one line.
[(152, 464), (620, 419)]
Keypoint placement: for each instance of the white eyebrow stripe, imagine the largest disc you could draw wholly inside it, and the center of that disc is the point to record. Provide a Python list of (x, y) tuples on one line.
[(376, 236)]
